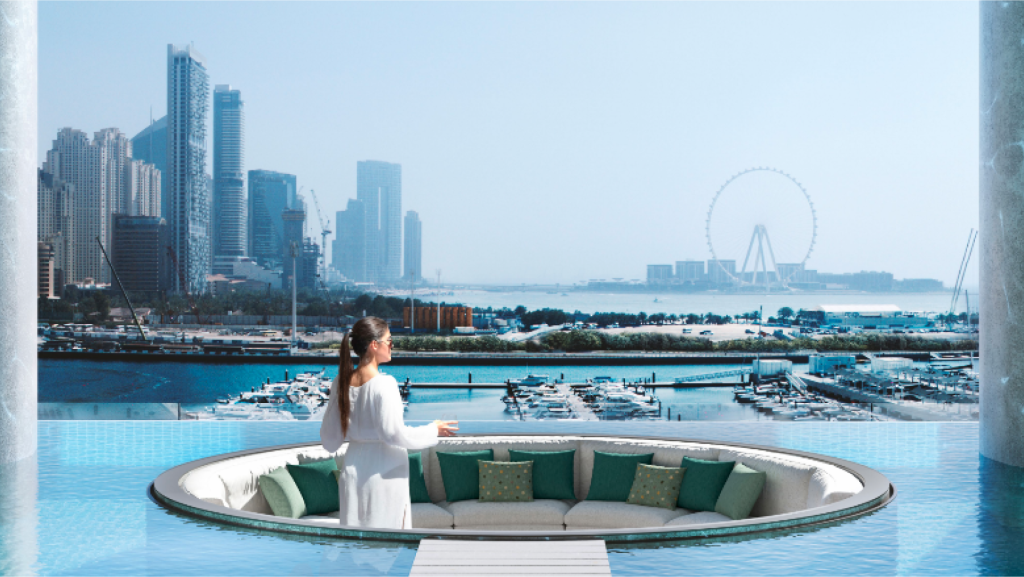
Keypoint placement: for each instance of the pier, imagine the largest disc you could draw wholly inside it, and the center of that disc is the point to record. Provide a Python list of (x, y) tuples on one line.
[(883, 405), (469, 557)]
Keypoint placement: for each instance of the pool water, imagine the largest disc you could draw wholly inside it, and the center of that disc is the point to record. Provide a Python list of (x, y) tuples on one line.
[(84, 509)]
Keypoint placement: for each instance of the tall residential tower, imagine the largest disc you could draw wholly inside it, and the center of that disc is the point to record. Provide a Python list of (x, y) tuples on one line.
[(413, 246), (188, 96), (379, 187), (229, 204)]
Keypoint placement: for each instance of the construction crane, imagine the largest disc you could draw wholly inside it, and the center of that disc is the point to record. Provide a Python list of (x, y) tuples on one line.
[(184, 285), (325, 229), (135, 318)]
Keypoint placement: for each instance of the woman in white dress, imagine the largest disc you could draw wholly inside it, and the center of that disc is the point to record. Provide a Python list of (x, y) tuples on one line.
[(365, 409)]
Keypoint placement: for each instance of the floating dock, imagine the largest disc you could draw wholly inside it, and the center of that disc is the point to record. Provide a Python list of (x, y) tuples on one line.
[(493, 558)]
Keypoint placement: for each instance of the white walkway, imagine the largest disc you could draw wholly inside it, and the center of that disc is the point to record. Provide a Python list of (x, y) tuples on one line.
[(492, 558)]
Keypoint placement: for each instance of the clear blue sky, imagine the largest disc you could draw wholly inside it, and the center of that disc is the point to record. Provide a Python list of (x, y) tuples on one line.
[(558, 142)]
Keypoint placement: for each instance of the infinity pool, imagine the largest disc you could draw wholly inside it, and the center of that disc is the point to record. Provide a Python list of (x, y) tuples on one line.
[(89, 512)]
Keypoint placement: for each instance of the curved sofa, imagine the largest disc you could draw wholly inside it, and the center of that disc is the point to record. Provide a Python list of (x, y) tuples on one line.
[(800, 489)]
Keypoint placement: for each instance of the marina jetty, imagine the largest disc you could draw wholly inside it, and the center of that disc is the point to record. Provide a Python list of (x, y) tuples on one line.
[(244, 355)]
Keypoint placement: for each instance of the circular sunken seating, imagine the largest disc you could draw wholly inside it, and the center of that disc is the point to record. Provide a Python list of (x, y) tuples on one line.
[(801, 489)]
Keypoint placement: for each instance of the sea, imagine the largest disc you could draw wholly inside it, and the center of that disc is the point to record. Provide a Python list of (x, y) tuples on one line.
[(699, 303)]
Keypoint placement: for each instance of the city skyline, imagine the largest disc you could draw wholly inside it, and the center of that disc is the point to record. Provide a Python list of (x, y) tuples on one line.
[(525, 147)]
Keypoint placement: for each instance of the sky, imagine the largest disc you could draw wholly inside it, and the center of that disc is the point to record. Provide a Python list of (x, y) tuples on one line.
[(560, 142)]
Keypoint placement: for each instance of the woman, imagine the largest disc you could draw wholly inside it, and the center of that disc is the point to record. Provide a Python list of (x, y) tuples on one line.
[(365, 409)]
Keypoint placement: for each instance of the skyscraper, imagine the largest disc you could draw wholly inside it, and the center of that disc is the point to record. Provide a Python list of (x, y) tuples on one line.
[(78, 162), (56, 226), (270, 194), (229, 205), (379, 187), (413, 245), (349, 241), (150, 145), (139, 252), (188, 216), (143, 181)]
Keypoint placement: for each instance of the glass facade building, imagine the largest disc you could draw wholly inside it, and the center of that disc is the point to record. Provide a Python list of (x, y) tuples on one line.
[(379, 187), (349, 248), (229, 204), (150, 145), (188, 96), (270, 194), (413, 245)]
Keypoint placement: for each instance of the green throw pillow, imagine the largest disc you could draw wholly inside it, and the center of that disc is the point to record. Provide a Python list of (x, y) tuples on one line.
[(417, 483), (504, 481), (655, 486), (553, 472), (318, 485), (703, 483), (460, 473), (613, 475), (740, 493), (282, 494)]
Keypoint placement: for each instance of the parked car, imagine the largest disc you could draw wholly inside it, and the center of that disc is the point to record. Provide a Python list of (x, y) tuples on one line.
[(707, 333)]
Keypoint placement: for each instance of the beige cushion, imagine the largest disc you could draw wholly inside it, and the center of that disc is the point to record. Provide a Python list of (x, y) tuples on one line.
[(698, 519), (500, 445), (430, 516), (787, 478), (615, 515), (546, 528), (830, 484), (666, 454), (539, 512)]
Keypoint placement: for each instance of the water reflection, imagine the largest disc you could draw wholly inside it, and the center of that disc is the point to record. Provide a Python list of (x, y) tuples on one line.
[(1001, 519)]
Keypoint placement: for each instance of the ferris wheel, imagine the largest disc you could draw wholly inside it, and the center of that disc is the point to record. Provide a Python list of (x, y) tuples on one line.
[(766, 214)]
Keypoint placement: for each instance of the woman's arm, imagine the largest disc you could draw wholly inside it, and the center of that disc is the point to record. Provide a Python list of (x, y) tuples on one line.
[(391, 427), (330, 429)]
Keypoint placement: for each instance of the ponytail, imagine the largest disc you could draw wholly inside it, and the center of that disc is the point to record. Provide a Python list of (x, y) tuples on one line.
[(345, 371), (358, 339)]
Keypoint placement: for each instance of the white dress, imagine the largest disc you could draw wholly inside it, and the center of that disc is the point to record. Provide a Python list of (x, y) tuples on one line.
[(374, 470)]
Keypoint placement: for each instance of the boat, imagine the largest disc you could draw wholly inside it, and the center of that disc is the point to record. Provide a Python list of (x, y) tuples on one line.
[(534, 380)]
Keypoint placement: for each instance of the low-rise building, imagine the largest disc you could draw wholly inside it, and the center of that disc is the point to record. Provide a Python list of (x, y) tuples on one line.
[(867, 317)]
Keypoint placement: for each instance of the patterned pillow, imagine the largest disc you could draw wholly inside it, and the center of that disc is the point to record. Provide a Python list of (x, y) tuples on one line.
[(504, 481), (655, 486)]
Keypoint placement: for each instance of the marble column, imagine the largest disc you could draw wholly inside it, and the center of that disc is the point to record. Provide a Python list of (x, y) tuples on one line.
[(1002, 231), (18, 161)]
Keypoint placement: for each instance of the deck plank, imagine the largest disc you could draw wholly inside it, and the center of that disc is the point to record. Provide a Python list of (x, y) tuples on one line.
[(463, 557)]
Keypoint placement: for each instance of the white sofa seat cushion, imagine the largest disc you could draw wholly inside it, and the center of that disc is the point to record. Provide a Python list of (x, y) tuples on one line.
[(698, 519), (328, 518), (545, 528), (430, 516), (424, 516), (482, 513), (615, 515)]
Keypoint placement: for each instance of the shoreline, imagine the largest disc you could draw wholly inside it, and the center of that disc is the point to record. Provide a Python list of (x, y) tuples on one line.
[(478, 359)]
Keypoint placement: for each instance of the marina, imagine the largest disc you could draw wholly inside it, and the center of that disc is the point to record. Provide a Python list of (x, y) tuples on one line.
[(774, 390)]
